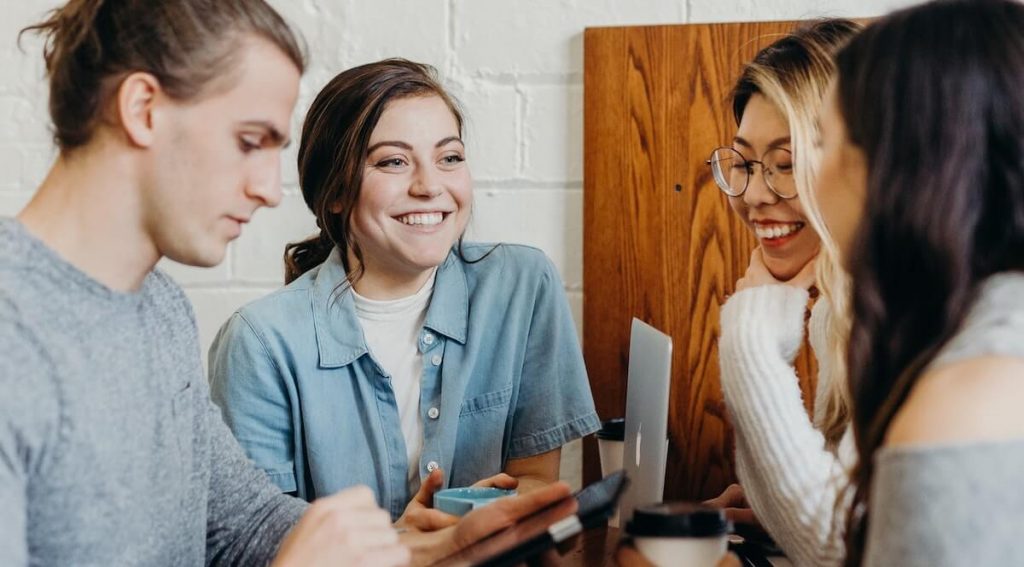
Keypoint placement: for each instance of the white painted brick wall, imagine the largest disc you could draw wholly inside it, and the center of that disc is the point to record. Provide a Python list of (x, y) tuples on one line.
[(548, 218), (492, 121), (553, 133), (516, 66)]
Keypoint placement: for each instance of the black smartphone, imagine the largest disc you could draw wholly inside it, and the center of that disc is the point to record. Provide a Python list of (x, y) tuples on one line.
[(535, 534)]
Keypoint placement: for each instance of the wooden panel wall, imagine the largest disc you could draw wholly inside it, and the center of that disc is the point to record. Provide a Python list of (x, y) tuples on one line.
[(660, 241)]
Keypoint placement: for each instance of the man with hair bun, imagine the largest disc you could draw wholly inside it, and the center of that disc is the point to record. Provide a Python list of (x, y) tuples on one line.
[(170, 118)]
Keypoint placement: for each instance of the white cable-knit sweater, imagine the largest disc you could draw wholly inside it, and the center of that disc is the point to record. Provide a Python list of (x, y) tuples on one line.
[(789, 477)]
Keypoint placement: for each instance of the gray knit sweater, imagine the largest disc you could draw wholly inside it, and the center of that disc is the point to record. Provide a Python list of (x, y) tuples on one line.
[(957, 504), (111, 452)]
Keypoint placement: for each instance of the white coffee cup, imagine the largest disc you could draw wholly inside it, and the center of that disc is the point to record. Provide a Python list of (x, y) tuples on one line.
[(610, 445), (611, 455), (680, 534), (610, 442)]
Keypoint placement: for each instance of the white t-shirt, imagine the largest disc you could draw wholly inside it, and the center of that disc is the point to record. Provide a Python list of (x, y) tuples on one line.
[(392, 329)]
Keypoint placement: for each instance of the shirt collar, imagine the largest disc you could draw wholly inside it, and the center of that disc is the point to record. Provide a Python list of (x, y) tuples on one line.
[(448, 313), (339, 335)]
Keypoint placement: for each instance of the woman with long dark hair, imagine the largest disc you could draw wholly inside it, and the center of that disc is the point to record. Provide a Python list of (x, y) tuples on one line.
[(398, 355), (922, 185)]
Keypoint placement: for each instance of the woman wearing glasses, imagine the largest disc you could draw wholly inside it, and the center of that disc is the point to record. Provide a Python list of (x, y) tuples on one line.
[(790, 467)]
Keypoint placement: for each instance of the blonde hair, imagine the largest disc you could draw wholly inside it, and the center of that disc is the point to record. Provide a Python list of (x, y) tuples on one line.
[(794, 73)]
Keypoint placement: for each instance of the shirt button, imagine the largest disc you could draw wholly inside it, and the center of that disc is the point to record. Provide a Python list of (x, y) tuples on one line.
[(436, 360), (432, 413), (428, 339), (432, 466)]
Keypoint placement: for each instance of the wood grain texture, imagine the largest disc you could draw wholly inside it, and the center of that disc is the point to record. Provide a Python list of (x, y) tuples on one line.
[(660, 241)]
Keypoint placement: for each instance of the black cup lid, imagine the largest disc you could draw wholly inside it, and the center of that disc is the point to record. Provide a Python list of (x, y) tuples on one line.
[(613, 429), (678, 519)]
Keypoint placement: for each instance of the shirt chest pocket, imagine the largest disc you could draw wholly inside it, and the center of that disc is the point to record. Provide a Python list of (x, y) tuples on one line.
[(481, 437), (492, 403)]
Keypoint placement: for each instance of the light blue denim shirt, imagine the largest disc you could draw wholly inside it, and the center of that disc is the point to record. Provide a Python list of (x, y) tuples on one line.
[(310, 405)]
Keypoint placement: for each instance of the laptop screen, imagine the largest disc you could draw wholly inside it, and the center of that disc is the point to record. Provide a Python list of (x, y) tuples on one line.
[(647, 399)]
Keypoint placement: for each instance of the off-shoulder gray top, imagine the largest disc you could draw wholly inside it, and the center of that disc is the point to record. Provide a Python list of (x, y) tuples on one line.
[(958, 504)]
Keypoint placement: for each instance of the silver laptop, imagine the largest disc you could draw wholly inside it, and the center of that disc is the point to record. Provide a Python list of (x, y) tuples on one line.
[(645, 450)]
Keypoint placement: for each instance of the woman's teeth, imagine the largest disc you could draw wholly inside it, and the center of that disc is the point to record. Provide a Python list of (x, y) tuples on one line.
[(768, 232), (424, 219)]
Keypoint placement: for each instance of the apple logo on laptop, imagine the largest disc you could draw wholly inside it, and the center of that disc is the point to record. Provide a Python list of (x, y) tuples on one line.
[(639, 439)]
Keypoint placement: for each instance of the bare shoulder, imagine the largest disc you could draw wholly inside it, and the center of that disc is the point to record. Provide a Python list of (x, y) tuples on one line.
[(976, 399)]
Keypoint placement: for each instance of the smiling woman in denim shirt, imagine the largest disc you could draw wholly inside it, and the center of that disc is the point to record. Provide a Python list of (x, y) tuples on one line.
[(399, 356)]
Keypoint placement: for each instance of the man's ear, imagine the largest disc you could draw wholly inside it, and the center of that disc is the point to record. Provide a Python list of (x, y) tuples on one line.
[(136, 98)]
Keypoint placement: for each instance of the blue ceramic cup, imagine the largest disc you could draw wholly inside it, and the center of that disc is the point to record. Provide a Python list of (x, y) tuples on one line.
[(459, 501)]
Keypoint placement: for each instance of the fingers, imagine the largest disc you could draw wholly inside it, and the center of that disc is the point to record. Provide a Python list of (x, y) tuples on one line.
[(757, 273), (357, 496), (741, 515), (734, 502), (493, 519), (723, 499), (419, 513), (351, 511), (757, 264), (357, 536), (730, 497), (500, 480), (524, 505), (429, 520), (757, 256), (346, 528), (505, 512), (807, 275), (736, 495), (720, 501), (370, 538), (398, 556), (430, 485), (347, 523), (352, 502), (394, 556)]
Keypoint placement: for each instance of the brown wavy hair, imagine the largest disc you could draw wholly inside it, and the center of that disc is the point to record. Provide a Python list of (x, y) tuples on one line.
[(335, 138), (188, 45), (932, 96)]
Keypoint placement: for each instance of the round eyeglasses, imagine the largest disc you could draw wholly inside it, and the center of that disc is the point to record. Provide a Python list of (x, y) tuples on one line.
[(732, 171)]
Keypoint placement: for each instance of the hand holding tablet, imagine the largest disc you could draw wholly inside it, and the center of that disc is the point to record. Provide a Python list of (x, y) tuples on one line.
[(430, 547), (534, 529), (424, 513)]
